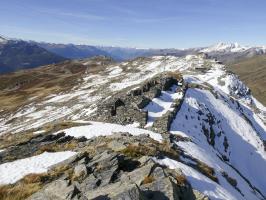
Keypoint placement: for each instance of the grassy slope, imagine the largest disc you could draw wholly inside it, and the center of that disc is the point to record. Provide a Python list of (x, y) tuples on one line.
[(252, 72), (17, 55), (17, 89)]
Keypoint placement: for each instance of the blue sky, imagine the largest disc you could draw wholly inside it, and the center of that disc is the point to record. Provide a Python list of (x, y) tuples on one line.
[(136, 23)]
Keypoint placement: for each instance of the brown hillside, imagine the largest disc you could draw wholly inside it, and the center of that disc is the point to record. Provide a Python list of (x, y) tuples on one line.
[(252, 72)]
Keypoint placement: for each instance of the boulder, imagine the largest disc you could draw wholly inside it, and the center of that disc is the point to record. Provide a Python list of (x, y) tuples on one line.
[(80, 171), (116, 146), (57, 190)]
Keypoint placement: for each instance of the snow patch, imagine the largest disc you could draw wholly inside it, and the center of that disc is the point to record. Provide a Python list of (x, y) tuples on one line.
[(39, 132), (161, 105), (11, 172), (103, 129), (116, 71)]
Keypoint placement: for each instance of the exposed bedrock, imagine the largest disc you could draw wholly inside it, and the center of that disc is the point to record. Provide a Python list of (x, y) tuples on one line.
[(125, 107)]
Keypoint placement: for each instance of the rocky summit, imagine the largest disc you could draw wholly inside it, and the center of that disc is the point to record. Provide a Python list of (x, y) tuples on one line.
[(158, 128)]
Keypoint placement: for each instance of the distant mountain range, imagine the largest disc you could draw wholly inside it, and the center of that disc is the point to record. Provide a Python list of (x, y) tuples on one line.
[(72, 51), (232, 52), (19, 54), (224, 52)]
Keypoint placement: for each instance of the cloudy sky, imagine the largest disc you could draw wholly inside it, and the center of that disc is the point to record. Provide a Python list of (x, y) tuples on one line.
[(136, 23)]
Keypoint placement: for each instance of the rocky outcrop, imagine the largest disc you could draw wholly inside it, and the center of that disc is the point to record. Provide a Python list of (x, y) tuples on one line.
[(119, 166), (115, 176), (37, 145), (163, 124), (125, 107)]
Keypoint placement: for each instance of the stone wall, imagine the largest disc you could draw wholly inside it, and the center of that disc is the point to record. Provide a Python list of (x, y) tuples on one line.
[(163, 124), (125, 107)]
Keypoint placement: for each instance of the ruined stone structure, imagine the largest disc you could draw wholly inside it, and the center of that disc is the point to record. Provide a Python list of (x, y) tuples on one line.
[(126, 108), (162, 124)]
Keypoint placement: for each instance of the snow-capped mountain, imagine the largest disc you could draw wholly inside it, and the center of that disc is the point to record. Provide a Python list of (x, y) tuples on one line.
[(225, 52), (73, 51), (232, 52), (183, 119), (225, 47), (53, 53), (231, 48), (3, 40)]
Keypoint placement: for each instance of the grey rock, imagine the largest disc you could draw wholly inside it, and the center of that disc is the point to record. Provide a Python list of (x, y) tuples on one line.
[(116, 146), (57, 190), (199, 196), (80, 171), (110, 175), (126, 108), (162, 124)]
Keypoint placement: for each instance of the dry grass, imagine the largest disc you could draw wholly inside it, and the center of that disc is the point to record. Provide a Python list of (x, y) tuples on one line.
[(17, 88), (24, 188), (204, 169), (56, 147), (18, 192), (169, 152), (207, 171), (175, 75), (229, 179), (35, 178), (181, 179), (150, 149), (60, 170), (55, 127), (148, 180), (135, 151), (32, 183), (7, 140)]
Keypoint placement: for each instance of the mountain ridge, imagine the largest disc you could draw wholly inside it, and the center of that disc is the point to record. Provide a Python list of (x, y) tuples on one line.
[(18, 54), (224, 52), (145, 121)]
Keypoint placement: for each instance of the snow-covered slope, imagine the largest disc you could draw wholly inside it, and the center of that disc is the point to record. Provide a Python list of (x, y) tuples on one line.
[(218, 126), (225, 47), (230, 48), (234, 140), (80, 102)]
